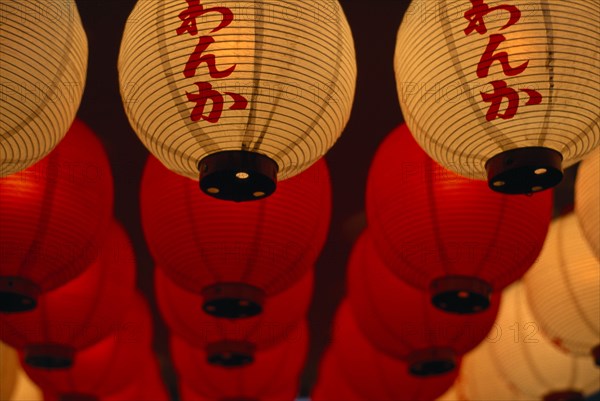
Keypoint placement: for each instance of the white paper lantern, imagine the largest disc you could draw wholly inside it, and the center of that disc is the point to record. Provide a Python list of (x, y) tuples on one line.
[(530, 362), (563, 289), (244, 91), (503, 90), (587, 199), (42, 75)]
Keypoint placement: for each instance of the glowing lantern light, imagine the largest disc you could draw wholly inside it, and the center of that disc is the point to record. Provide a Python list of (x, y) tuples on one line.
[(237, 93), (53, 217), (563, 289), (235, 254), (44, 63), (401, 321), (447, 234), (491, 89), (587, 199), (9, 362), (232, 342)]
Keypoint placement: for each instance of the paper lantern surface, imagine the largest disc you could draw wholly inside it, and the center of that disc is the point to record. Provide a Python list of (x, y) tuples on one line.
[(587, 199), (441, 232), (44, 64), (275, 78), (79, 313), (563, 289), (53, 216), (476, 79), (331, 385)]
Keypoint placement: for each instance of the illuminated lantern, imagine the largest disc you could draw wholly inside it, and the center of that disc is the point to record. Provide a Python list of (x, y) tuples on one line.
[(331, 385), (235, 254), (532, 364), (446, 234), (275, 371), (78, 314), (187, 394), (377, 376), (106, 367), (239, 94), (563, 289), (401, 321), (25, 389), (43, 70), (587, 199), (54, 216), (231, 342), (9, 363), (495, 89)]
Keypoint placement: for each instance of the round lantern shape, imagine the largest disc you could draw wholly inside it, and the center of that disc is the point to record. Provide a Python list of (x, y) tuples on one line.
[(587, 199), (275, 371), (106, 367), (401, 321), (331, 385), (377, 376), (235, 254), (447, 234), (44, 64), (531, 363), (53, 217), (232, 342), (503, 91), (9, 363), (78, 314), (563, 289), (241, 93)]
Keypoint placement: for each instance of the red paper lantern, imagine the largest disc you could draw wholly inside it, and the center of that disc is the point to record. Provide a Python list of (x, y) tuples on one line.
[(331, 385), (401, 321), (450, 235), (78, 314), (377, 376), (187, 394), (54, 214), (106, 367), (235, 254), (275, 371), (232, 342)]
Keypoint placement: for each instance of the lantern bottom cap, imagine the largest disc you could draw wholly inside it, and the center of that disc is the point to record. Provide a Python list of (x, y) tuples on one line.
[(238, 176), (596, 354), (460, 294), (524, 170), (230, 354), (431, 362), (77, 397), (17, 294), (49, 356), (564, 396), (233, 300)]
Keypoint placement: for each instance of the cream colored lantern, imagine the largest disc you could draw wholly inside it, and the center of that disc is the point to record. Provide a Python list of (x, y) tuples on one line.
[(42, 75), (563, 289), (503, 90), (237, 93), (587, 199), (9, 365), (530, 362)]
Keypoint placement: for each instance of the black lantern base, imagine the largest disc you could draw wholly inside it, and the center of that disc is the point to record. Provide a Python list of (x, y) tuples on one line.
[(564, 396), (238, 176), (460, 294), (230, 354), (596, 354), (524, 170), (78, 397), (431, 362), (233, 300), (49, 356), (17, 295)]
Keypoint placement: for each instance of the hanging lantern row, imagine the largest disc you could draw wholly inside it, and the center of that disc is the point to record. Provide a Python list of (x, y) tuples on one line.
[(235, 94), (491, 89), (44, 57), (235, 255), (401, 321), (563, 290), (587, 199), (54, 216), (447, 234)]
